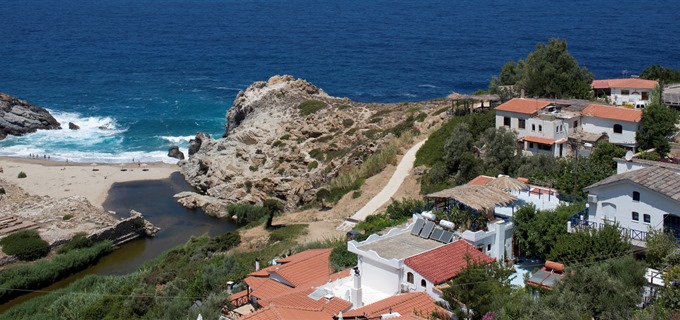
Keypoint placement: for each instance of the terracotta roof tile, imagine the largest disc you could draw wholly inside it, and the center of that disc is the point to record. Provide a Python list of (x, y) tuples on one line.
[(611, 112), (631, 83), (405, 304), (305, 270), (539, 140), (264, 289), (444, 263), (481, 180), (522, 105), (283, 313), (301, 300)]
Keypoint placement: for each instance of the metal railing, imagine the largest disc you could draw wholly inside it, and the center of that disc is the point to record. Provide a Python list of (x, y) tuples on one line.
[(633, 234)]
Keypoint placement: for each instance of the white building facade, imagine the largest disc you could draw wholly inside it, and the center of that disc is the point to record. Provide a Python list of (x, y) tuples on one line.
[(619, 124), (632, 91)]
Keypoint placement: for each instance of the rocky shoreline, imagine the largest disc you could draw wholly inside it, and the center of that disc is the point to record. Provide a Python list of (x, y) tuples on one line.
[(18, 117), (286, 138)]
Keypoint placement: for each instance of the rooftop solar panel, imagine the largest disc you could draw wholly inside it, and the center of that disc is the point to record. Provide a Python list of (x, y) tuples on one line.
[(427, 229), (437, 233), (417, 227), (446, 237), (551, 280), (538, 277)]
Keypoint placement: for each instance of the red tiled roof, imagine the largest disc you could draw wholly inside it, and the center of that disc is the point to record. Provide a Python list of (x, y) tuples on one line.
[(444, 263), (301, 300), (539, 140), (265, 288), (285, 313), (631, 83), (312, 267), (522, 105), (262, 272), (481, 180), (405, 304), (304, 255), (611, 112)]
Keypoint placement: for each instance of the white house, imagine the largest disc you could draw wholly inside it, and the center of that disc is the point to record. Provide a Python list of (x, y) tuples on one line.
[(619, 124), (414, 259), (637, 200), (631, 91)]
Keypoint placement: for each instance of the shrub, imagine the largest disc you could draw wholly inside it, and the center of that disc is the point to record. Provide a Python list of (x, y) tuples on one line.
[(356, 194), (351, 131), (67, 217), (375, 120), (404, 209), (252, 168), (324, 138), (413, 109), (2, 190), (249, 185), (312, 165), (79, 241), (300, 139), (316, 154), (347, 122), (344, 106), (440, 111), (277, 143), (421, 116), (225, 241), (404, 126), (285, 137), (288, 232), (246, 213), (373, 134), (310, 106), (341, 258), (21, 175), (25, 245)]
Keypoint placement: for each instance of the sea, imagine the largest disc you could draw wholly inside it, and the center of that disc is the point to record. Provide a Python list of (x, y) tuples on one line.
[(139, 76)]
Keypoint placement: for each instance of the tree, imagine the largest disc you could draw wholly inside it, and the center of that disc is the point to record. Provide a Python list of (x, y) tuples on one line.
[(542, 167), (657, 124), (322, 194), (273, 206), (500, 154), (538, 231), (603, 154), (460, 141), (590, 245), (548, 71), (660, 245), (660, 73), (477, 286)]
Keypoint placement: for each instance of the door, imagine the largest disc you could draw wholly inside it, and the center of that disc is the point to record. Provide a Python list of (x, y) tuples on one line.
[(645, 95)]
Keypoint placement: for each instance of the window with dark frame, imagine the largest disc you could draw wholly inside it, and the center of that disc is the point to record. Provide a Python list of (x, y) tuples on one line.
[(618, 128), (646, 218), (522, 123), (625, 91), (636, 196), (409, 277), (506, 121), (423, 283), (540, 128), (533, 127), (636, 216)]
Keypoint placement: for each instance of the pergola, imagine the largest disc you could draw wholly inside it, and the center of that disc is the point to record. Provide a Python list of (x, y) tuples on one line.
[(466, 98), (482, 198)]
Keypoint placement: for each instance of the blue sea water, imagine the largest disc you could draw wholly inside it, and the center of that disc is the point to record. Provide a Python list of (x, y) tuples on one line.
[(154, 72)]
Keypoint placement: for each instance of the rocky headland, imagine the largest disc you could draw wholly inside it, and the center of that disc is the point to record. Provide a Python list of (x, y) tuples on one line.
[(18, 117), (285, 138)]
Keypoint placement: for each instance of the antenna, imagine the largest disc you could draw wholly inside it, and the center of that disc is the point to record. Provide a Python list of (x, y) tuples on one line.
[(629, 155)]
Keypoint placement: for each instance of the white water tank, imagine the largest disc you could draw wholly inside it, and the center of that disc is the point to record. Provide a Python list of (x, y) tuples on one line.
[(428, 215), (447, 224)]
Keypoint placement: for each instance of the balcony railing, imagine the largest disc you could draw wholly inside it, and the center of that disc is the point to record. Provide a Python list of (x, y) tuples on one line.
[(633, 234)]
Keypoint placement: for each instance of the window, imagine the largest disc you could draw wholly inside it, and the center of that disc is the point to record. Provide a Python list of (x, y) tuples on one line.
[(636, 196), (625, 91), (531, 145), (545, 147), (540, 128), (557, 129), (646, 218), (645, 95), (488, 248), (533, 127), (636, 216), (506, 121), (522, 123), (423, 283), (618, 128), (409, 277), (575, 124)]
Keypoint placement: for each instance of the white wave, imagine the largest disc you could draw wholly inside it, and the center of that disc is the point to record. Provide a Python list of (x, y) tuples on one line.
[(177, 139), (90, 157), (408, 95), (227, 88), (427, 85)]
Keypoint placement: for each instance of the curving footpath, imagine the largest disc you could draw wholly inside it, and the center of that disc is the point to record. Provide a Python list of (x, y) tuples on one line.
[(403, 169)]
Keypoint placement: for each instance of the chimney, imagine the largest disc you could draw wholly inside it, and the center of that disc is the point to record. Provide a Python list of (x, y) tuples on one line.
[(521, 93), (500, 242), (257, 264), (355, 293)]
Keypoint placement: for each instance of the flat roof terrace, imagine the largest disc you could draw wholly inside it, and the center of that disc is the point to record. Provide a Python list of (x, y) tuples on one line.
[(400, 246)]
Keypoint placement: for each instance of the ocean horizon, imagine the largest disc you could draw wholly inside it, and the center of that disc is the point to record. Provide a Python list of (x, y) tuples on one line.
[(139, 76)]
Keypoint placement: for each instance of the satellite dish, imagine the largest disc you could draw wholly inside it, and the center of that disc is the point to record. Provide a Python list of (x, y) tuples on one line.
[(629, 155)]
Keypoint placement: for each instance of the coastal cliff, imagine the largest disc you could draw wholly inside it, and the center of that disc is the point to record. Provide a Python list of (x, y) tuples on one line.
[(285, 138), (18, 117)]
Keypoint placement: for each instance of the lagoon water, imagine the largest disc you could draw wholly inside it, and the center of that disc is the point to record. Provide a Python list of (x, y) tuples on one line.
[(156, 71)]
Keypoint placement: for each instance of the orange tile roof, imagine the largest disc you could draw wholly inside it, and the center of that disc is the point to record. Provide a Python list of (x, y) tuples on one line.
[(262, 272), (304, 255), (405, 304), (302, 271), (444, 263), (523, 105), (301, 300), (265, 288), (611, 112), (284, 313), (632, 83), (539, 140), (481, 180)]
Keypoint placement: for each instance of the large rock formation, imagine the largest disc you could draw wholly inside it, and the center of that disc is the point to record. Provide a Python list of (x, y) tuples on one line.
[(286, 138), (18, 117)]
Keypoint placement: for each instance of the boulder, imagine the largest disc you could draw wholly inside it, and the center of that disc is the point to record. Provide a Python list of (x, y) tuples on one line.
[(73, 126), (18, 117), (174, 152), (195, 144)]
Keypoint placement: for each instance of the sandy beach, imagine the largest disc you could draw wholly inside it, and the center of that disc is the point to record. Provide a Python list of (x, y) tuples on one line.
[(93, 181)]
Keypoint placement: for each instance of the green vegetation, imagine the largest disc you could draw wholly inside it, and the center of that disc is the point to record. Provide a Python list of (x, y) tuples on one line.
[(404, 126), (273, 207), (375, 120), (549, 71), (249, 185), (25, 245), (537, 232), (312, 165), (277, 143), (374, 134), (310, 106), (289, 232), (21, 175), (285, 137), (356, 194), (421, 116), (344, 106), (67, 217), (341, 258), (657, 124), (351, 132), (660, 245), (662, 74), (396, 213), (347, 122), (590, 245), (317, 154), (246, 213), (45, 272), (325, 138), (79, 241), (253, 168)]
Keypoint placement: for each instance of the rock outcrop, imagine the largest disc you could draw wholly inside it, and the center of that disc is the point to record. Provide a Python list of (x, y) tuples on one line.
[(18, 117), (73, 126), (285, 138), (174, 152)]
